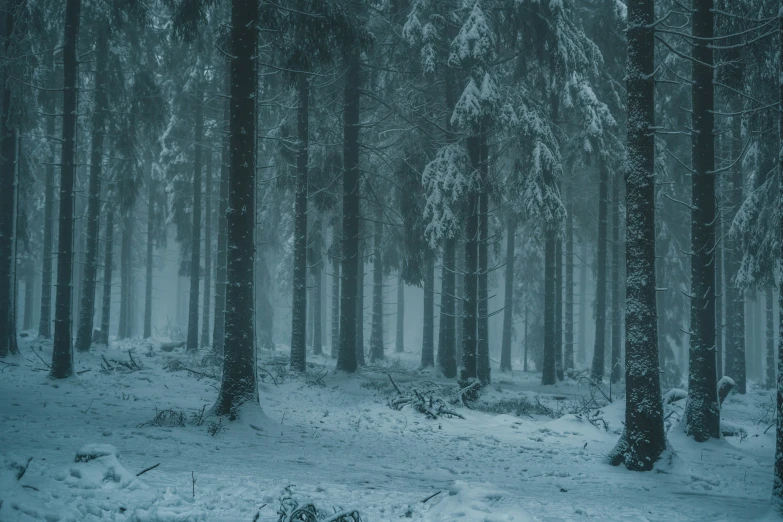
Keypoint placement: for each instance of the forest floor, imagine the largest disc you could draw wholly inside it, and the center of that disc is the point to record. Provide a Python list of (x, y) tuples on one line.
[(524, 452)]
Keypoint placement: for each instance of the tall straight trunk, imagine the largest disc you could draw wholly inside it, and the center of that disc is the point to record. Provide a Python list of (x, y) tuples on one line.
[(360, 308), (643, 438), (399, 341), (87, 303), (459, 303), (318, 292), (568, 343), (205, 308), (335, 308), (616, 372), (45, 319), (600, 266), (8, 208), (239, 384), (126, 264), (108, 265), (195, 236), (581, 354), (346, 358), (508, 305), (720, 288), (777, 484), (62, 351), (265, 313), (29, 295), (549, 371), (376, 337), (218, 331), (299, 301), (483, 368), (470, 280), (447, 356), (559, 310), (734, 360), (769, 379), (428, 314), (524, 355), (702, 412), (150, 250)]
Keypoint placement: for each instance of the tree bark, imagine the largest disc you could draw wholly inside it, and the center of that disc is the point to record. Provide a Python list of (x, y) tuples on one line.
[(559, 310), (376, 337), (29, 295), (508, 308), (150, 250), (108, 264), (195, 236), (447, 357), (470, 285), (125, 330), (483, 368), (549, 371), (317, 272), (568, 346), (399, 340), (335, 308), (428, 331), (600, 290), (239, 384), (205, 304), (299, 301), (62, 351), (702, 412), (360, 307), (346, 359), (87, 303), (45, 319), (218, 332), (643, 439), (581, 354), (616, 372), (734, 361), (769, 380)]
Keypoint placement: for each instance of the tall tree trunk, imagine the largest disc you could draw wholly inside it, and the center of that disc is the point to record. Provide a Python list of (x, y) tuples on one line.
[(524, 356), (483, 368), (150, 250), (360, 307), (195, 236), (777, 484), (720, 288), (29, 295), (568, 346), (702, 412), (399, 340), (108, 265), (447, 357), (734, 362), (459, 303), (45, 319), (470, 285), (600, 289), (376, 337), (218, 331), (559, 310), (299, 301), (239, 383), (643, 439), (616, 372), (264, 309), (317, 272), (581, 354), (335, 307), (428, 314), (205, 308), (769, 380), (62, 351), (549, 370), (346, 359), (8, 188), (508, 308), (87, 304), (126, 264)]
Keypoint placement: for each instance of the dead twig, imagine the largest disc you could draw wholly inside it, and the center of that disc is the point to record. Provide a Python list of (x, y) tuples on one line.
[(40, 358), (142, 472), (431, 496)]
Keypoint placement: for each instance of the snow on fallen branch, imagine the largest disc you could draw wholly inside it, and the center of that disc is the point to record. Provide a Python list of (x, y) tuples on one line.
[(421, 401)]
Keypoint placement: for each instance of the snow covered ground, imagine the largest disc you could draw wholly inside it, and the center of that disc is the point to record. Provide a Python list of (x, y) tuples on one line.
[(333, 440)]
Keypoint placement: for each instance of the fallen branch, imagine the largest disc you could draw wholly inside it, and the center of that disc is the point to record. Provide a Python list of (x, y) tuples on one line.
[(142, 472), (431, 497), (394, 384), (8, 363), (40, 358)]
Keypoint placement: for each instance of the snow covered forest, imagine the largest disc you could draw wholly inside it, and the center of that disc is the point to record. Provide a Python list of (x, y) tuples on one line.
[(371, 260)]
